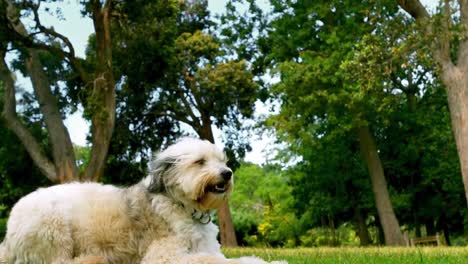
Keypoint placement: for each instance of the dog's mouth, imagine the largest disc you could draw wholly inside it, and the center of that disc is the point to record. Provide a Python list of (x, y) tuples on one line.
[(220, 187)]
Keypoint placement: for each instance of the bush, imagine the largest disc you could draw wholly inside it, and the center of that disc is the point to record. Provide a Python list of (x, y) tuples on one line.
[(3, 222), (262, 207), (342, 236)]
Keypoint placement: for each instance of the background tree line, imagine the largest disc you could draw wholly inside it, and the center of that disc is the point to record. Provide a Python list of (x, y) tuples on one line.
[(369, 97)]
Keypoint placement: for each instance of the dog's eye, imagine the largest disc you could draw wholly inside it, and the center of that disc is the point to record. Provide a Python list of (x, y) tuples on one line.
[(200, 162)]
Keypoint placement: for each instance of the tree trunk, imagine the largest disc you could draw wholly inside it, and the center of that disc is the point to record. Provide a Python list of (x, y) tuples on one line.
[(417, 225), (454, 73), (100, 103), (430, 228), (62, 147), (227, 233), (226, 227), (380, 232), (331, 226), (388, 220), (12, 121), (102, 100), (446, 231), (362, 231), (456, 82)]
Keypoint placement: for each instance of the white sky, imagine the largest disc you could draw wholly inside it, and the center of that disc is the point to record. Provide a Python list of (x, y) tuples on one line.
[(77, 29)]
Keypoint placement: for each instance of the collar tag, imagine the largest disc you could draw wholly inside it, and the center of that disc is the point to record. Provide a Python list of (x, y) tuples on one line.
[(201, 217)]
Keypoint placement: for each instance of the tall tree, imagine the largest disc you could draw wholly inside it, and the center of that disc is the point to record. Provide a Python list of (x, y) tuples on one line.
[(99, 83), (445, 34), (150, 39), (313, 42), (210, 92), (179, 80)]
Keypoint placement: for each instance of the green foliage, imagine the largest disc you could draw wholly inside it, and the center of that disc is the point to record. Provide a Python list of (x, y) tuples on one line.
[(223, 89), (342, 236), (3, 221), (178, 76), (262, 203), (82, 155), (346, 64), (147, 31)]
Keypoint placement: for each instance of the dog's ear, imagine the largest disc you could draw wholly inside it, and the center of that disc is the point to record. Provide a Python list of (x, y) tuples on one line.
[(158, 167)]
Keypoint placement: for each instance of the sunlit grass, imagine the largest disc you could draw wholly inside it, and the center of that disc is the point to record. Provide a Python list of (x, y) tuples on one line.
[(373, 255)]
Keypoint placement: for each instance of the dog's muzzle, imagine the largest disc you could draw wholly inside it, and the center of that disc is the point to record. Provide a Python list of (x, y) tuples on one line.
[(223, 184)]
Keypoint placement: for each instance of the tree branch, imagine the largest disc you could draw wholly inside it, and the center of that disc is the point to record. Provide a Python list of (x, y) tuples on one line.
[(463, 48), (414, 8), (463, 11), (187, 105), (103, 110), (11, 119), (107, 5), (182, 118), (51, 32), (26, 39), (445, 32), (441, 47)]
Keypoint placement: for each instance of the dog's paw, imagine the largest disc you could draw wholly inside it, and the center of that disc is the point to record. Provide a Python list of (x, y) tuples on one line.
[(246, 260), (254, 260)]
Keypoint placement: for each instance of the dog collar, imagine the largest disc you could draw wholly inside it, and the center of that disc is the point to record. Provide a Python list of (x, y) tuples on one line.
[(201, 217)]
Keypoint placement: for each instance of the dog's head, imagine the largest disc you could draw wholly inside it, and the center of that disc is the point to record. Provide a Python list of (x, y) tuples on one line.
[(192, 171)]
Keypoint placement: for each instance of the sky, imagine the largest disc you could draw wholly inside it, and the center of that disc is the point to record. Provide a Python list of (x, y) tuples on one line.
[(78, 28)]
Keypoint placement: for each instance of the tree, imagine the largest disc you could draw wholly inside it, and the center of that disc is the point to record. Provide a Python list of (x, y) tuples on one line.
[(182, 80), (330, 182), (422, 165), (418, 146), (209, 92), (263, 205), (446, 39), (313, 43), (140, 130), (98, 83), (391, 56)]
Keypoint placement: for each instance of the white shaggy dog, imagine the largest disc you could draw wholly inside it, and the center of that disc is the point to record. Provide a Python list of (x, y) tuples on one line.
[(166, 218)]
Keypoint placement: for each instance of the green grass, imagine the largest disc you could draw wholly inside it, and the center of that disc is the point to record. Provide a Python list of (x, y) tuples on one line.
[(374, 255)]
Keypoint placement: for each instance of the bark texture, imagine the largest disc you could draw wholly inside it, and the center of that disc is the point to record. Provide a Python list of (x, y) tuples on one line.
[(62, 147), (102, 99), (388, 220)]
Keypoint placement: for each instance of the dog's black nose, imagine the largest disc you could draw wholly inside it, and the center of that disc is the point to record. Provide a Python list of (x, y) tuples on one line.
[(226, 175)]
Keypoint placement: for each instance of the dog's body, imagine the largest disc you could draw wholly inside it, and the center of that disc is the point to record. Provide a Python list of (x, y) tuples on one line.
[(163, 219), (72, 220)]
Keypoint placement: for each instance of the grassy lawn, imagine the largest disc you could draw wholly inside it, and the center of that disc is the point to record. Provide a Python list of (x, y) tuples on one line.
[(375, 255)]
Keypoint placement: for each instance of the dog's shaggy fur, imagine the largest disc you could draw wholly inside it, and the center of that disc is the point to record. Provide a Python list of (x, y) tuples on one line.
[(163, 219)]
